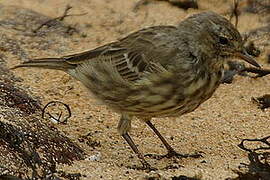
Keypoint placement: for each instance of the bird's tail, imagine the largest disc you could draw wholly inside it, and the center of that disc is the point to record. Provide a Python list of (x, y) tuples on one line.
[(47, 63)]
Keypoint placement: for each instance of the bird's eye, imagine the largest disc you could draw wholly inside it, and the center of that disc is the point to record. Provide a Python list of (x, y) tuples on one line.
[(223, 40)]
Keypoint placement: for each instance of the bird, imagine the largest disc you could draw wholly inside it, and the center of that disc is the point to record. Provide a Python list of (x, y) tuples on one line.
[(159, 71)]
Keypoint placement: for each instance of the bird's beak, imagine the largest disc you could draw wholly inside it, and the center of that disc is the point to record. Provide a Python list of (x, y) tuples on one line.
[(246, 57)]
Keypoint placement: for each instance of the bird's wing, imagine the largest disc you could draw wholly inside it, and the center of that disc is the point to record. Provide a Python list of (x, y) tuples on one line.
[(134, 56)]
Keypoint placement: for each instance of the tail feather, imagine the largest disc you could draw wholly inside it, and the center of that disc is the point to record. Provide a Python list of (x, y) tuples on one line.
[(47, 63)]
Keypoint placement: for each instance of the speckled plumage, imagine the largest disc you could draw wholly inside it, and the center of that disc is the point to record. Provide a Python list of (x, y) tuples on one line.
[(160, 71)]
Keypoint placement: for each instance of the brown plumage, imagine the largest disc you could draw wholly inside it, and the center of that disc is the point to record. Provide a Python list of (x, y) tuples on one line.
[(160, 71)]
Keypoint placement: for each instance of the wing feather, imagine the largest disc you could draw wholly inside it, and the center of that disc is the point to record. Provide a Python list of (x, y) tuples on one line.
[(133, 57)]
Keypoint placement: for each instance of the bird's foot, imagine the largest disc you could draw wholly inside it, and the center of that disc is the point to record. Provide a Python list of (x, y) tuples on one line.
[(175, 154), (145, 167)]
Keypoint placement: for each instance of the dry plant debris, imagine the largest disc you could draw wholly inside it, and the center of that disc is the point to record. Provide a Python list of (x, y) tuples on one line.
[(183, 4), (49, 22), (29, 147), (57, 112), (235, 12), (235, 68), (32, 23), (88, 140), (259, 160), (263, 102)]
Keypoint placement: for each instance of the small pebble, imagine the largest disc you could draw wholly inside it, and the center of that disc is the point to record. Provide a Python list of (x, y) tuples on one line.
[(95, 157)]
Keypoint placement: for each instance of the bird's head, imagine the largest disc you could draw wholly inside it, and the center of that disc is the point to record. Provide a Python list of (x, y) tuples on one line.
[(222, 37)]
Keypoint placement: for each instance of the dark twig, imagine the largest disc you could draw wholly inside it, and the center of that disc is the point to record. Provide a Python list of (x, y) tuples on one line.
[(258, 167), (235, 11), (57, 119), (263, 101), (60, 18), (264, 141), (183, 4), (240, 69)]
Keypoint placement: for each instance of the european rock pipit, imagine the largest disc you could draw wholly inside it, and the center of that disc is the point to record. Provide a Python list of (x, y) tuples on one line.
[(160, 71)]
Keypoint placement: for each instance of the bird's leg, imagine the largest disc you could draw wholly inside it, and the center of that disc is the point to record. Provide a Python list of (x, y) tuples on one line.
[(123, 128), (171, 151), (131, 143)]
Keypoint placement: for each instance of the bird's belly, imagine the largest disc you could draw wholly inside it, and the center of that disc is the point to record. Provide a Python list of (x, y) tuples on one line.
[(180, 103), (188, 104)]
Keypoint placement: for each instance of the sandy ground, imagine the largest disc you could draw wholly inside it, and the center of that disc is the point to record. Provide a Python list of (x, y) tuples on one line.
[(215, 128)]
